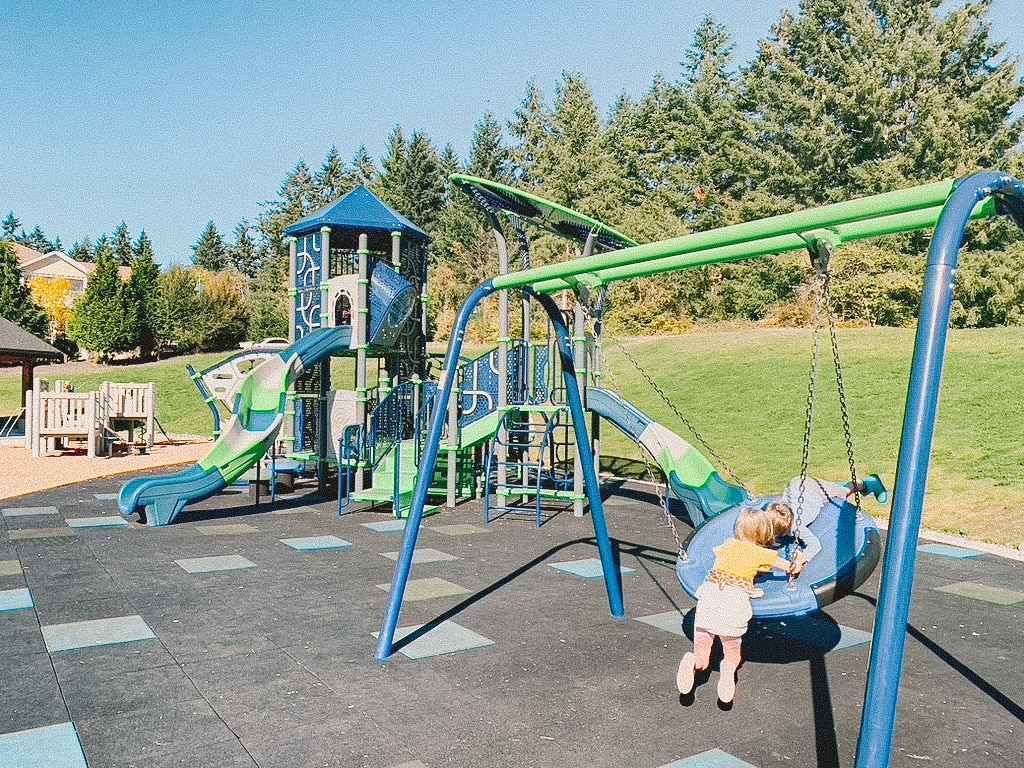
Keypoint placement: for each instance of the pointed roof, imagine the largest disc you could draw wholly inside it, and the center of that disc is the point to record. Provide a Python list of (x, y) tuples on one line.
[(16, 342), (360, 210)]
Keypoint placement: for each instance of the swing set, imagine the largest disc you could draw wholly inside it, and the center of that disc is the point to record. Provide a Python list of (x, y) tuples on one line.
[(947, 206)]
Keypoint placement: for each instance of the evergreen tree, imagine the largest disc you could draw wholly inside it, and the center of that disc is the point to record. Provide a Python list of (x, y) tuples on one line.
[(861, 96), (36, 240), (532, 127), (16, 303), (364, 169), (413, 181), (332, 180), (143, 248), (10, 225), (124, 252), (83, 251), (243, 254), (99, 323), (141, 293), (489, 158), (209, 252)]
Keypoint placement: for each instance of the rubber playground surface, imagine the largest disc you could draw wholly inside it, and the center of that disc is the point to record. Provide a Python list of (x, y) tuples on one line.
[(246, 638)]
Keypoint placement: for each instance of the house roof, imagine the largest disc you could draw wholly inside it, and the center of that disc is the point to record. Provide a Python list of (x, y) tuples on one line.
[(31, 261), (25, 254), (361, 210), (18, 343)]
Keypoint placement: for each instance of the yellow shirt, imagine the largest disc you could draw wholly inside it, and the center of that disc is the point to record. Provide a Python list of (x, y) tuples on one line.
[(743, 559)]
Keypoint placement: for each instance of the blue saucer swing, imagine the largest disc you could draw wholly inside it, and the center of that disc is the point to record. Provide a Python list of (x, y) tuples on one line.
[(850, 549), (850, 542)]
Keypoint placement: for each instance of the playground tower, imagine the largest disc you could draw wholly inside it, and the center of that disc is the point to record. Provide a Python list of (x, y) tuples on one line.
[(339, 254)]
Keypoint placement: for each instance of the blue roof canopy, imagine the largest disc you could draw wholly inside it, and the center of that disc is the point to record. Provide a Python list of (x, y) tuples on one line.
[(358, 210)]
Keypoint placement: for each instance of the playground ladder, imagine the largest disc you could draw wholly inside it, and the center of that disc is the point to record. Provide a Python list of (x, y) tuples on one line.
[(518, 480)]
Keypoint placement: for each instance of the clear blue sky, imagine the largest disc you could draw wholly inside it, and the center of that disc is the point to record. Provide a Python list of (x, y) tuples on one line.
[(167, 114)]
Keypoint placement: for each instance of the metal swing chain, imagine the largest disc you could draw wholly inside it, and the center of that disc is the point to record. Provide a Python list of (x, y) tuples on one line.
[(821, 252), (595, 315), (679, 415)]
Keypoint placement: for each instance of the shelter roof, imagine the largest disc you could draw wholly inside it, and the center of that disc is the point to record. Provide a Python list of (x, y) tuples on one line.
[(18, 343), (359, 210)]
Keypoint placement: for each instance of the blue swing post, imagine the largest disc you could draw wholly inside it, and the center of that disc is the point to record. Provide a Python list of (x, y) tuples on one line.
[(613, 581), (874, 748)]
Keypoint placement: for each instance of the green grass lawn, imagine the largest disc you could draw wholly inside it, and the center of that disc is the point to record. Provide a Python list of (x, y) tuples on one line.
[(745, 392)]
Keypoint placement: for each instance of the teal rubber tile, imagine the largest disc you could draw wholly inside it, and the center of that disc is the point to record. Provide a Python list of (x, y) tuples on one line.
[(713, 758), (55, 746), (15, 600), (447, 637), (945, 550), (387, 526), (423, 556), (10, 568), (669, 621), (311, 543), (97, 522), (106, 498), (89, 634), (822, 634), (585, 569), (428, 589), (30, 511), (459, 529), (996, 595), (215, 563), (228, 529)]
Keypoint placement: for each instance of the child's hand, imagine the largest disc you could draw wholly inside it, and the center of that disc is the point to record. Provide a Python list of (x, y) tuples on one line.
[(799, 563)]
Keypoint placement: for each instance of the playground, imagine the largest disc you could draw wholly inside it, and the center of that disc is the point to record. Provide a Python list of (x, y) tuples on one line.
[(261, 653), (486, 473)]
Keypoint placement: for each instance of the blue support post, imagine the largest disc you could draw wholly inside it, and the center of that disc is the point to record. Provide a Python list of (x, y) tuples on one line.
[(613, 581), (612, 576), (874, 748)]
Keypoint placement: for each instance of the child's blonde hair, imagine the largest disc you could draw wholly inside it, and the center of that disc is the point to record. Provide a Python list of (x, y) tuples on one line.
[(765, 527)]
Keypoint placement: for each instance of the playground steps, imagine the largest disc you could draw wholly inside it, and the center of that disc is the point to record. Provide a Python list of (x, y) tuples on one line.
[(383, 490)]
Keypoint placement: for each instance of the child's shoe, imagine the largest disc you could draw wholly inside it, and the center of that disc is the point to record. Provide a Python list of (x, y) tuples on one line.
[(684, 677), (726, 682)]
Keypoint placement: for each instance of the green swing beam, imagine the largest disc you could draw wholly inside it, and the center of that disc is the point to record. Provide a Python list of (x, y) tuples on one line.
[(840, 223)]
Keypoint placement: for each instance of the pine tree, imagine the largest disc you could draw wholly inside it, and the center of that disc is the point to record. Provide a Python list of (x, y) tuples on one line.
[(142, 291), (143, 248), (489, 158), (99, 323), (81, 250), (333, 180), (364, 169), (863, 96), (209, 252), (532, 127), (10, 225), (243, 254), (413, 180), (16, 303), (124, 252)]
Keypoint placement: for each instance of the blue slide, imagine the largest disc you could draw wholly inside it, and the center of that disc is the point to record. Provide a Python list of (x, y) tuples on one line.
[(692, 478)]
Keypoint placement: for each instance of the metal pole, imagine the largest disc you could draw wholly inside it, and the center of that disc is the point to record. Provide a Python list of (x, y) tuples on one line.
[(874, 749)]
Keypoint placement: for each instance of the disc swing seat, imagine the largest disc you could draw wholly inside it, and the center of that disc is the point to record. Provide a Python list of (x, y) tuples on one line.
[(850, 541)]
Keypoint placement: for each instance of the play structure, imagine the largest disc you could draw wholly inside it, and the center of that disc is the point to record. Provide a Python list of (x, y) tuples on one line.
[(57, 416), (520, 426), (947, 206)]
